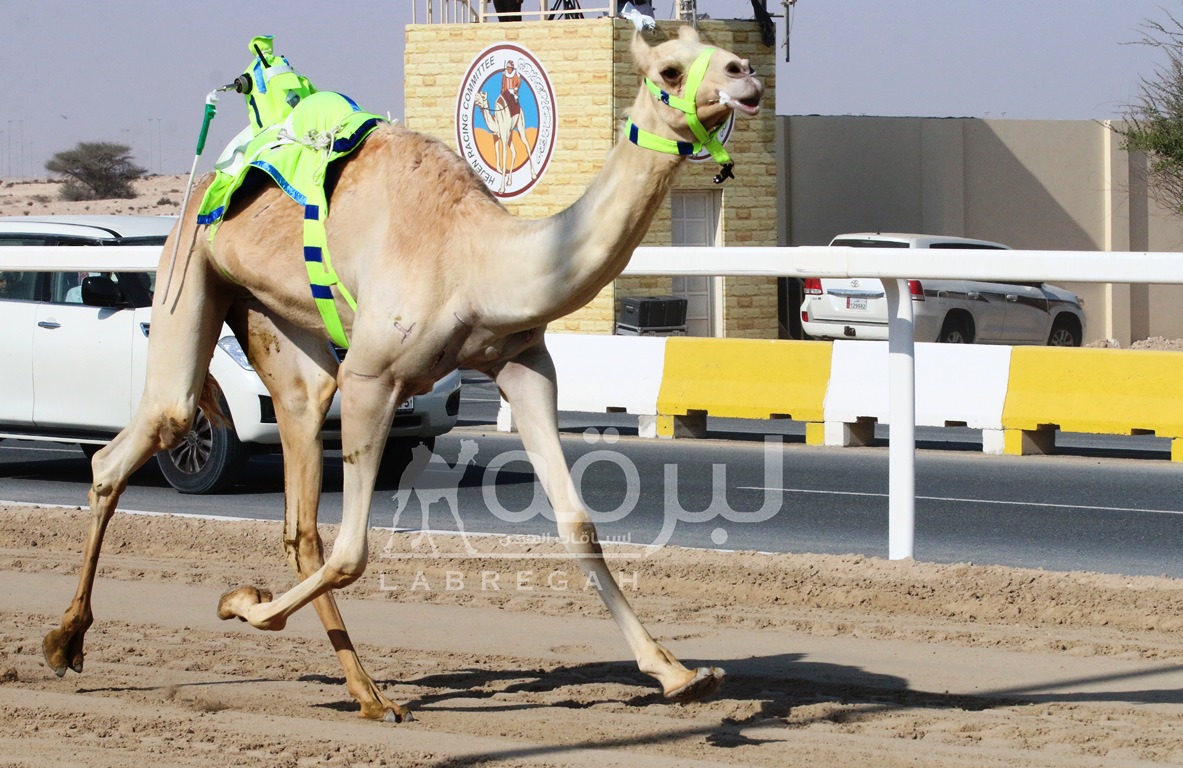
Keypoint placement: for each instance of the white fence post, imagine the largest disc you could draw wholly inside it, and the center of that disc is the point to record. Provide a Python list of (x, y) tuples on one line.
[(901, 453)]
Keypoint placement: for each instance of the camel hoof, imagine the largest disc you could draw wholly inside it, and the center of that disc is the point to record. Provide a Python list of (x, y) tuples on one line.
[(703, 685), (234, 603), (55, 657), (395, 717)]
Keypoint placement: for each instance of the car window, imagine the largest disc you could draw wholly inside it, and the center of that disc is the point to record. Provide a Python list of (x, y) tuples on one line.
[(23, 240), (861, 243), (18, 286), (968, 246), (66, 287)]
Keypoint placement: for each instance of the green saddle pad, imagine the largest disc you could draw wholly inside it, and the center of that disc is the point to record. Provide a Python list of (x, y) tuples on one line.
[(296, 154)]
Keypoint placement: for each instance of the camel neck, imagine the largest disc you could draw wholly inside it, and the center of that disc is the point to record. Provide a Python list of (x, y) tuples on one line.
[(569, 257)]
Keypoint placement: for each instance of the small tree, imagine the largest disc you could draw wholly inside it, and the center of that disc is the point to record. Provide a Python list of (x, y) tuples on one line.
[(97, 171), (1154, 123)]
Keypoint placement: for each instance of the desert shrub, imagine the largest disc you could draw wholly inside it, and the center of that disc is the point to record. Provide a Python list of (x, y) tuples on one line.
[(96, 171)]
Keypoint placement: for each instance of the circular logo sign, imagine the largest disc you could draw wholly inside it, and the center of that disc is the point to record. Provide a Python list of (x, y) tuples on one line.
[(505, 119)]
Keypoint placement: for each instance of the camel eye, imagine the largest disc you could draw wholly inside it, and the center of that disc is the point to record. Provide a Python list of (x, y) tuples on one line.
[(671, 74)]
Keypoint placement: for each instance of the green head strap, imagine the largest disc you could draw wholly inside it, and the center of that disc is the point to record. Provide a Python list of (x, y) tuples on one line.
[(689, 105)]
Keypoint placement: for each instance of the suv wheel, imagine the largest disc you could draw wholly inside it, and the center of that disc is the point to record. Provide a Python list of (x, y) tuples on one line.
[(209, 459), (1064, 334), (956, 330)]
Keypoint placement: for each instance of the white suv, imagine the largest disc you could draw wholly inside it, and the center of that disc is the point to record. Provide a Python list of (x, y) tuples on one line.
[(950, 311), (74, 349)]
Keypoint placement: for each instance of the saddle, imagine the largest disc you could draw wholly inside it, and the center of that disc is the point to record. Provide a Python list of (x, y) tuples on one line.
[(324, 126)]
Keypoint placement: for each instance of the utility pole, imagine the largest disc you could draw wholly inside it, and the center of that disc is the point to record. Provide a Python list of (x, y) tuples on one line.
[(687, 10)]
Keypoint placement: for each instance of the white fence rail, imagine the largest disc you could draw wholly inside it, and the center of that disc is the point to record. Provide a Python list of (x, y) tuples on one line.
[(894, 265)]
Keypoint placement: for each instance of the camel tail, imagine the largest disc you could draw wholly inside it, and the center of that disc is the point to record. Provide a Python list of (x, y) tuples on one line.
[(210, 402)]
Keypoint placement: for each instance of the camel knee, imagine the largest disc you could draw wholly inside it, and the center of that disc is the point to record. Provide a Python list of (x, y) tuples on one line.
[(344, 570), (172, 424)]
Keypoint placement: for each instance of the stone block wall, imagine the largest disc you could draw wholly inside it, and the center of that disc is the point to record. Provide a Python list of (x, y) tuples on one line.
[(595, 83)]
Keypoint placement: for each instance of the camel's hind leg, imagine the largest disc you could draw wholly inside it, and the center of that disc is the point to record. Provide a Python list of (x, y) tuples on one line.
[(183, 336), (300, 372), (528, 383)]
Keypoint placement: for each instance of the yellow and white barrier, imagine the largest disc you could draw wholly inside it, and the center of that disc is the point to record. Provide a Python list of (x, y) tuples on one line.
[(1017, 396), (1099, 391)]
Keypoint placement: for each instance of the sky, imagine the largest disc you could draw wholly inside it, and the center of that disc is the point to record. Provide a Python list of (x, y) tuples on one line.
[(137, 73)]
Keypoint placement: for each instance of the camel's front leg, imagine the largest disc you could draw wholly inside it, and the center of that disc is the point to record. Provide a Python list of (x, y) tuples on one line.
[(369, 396), (298, 369), (528, 383)]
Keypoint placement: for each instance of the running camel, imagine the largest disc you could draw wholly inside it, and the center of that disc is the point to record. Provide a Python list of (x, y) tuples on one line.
[(443, 276)]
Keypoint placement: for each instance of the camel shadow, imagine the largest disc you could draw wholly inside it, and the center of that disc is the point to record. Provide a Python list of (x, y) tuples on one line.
[(778, 691)]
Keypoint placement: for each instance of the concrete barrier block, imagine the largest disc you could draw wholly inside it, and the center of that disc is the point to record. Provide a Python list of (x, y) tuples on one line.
[(745, 378), (1099, 391), (994, 442), (842, 434), (963, 384), (815, 433), (692, 424), (1028, 442), (600, 373)]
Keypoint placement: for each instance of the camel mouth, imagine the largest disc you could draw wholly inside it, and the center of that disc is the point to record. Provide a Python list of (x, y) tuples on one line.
[(749, 105)]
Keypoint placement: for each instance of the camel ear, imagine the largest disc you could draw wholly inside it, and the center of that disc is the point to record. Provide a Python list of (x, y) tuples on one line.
[(640, 50), (688, 34)]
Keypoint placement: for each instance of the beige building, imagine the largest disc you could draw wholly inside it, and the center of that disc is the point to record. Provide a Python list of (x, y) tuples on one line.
[(589, 69), (1032, 184)]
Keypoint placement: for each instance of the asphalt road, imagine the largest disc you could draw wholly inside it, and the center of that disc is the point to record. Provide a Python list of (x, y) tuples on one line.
[(1115, 507)]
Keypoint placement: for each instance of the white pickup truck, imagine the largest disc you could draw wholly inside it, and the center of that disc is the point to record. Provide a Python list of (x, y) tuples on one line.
[(72, 356)]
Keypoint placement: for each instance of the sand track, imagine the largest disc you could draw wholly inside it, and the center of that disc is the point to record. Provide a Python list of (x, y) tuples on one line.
[(829, 659)]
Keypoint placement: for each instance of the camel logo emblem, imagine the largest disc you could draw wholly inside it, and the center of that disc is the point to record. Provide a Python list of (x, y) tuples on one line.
[(431, 479), (506, 120)]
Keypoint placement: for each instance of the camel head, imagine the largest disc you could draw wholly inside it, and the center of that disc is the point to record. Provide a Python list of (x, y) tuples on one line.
[(482, 99), (722, 84)]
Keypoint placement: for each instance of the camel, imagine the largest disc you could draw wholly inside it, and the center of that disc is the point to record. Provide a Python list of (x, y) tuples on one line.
[(443, 277), (503, 127)]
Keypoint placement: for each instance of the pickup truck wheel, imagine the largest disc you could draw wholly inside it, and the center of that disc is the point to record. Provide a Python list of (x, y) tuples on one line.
[(209, 460), (956, 330), (1064, 334)]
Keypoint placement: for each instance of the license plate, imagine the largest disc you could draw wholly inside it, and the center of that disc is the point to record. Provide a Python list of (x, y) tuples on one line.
[(857, 304), (408, 405)]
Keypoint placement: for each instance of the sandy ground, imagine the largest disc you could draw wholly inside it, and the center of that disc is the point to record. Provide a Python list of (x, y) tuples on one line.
[(830, 660), (155, 196)]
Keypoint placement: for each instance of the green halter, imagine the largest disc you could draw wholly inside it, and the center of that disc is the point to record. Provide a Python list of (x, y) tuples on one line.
[(688, 105)]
